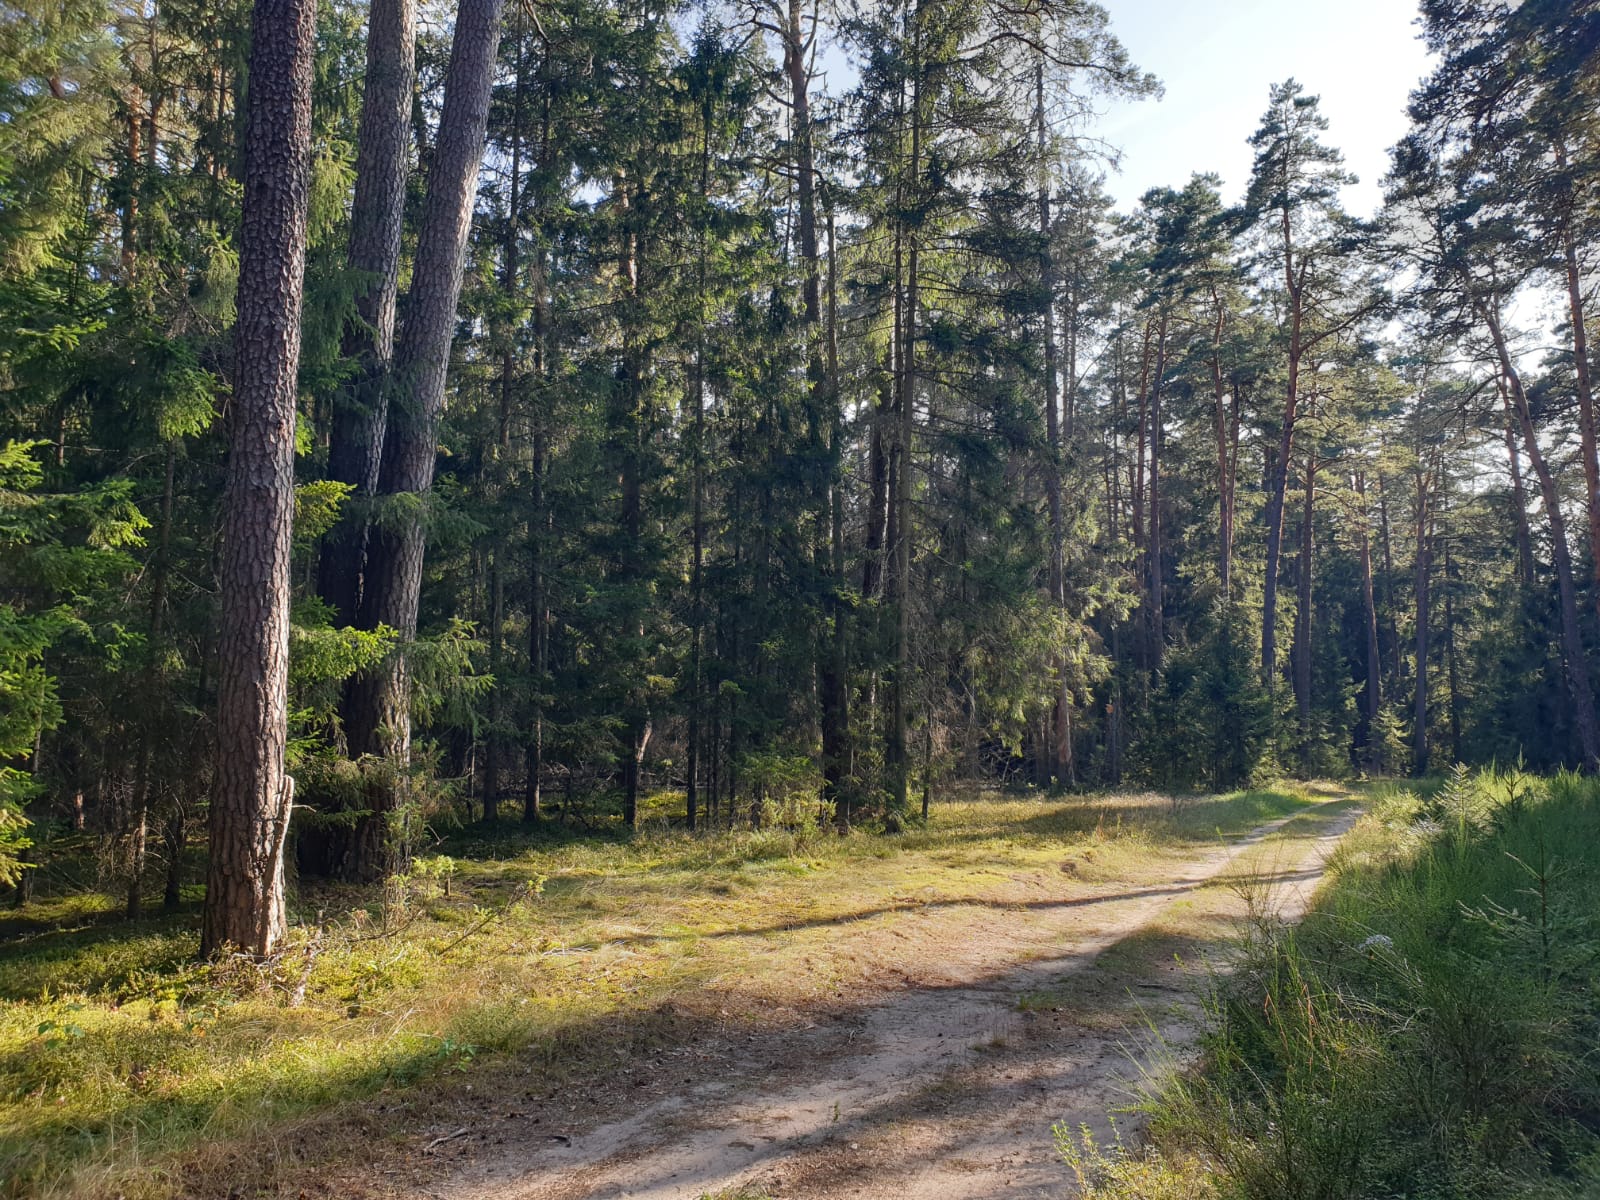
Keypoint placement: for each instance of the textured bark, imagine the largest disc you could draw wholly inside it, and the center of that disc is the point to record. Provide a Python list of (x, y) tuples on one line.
[(250, 807), (1581, 372), (383, 143), (378, 718)]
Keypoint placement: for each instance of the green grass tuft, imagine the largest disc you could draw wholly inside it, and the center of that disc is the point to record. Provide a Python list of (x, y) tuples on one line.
[(1429, 1031)]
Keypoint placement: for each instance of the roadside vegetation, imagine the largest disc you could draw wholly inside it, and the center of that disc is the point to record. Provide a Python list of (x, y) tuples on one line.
[(1428, 1031), (120, 1052)]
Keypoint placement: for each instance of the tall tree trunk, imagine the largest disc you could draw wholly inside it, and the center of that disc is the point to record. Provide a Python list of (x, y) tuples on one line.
[(840, 673), (1279, 486), (822, 403), (156, 688), (378, 703), (1583, 711), (1158, 589), (895, 756), (1389, 606), (1424, 526), (510, 376), (1060, 754), (1581, 372), (627, 432), (1374, 689), (1227, 438), (1303, 614), (1519, 493), (1452, 663), (539, 518), (538, 631), (254, 793), (377, 216)]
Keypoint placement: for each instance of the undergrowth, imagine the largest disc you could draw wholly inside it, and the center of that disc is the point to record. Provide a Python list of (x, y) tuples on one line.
[(1429, 1031)]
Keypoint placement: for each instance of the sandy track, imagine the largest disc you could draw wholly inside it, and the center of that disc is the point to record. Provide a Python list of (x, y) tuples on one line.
[(940, 1092)]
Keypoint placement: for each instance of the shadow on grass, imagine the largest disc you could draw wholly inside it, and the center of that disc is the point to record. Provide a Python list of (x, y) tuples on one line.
[(321, 1110)]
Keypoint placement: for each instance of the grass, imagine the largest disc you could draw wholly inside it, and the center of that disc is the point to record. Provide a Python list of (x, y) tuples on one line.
[(1429, 1031), (122, 1060)]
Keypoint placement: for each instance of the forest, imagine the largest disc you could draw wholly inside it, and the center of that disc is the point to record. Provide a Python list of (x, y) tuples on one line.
[(427, 425)]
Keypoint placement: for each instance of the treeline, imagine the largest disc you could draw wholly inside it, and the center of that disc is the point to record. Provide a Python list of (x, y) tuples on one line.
[(669, 421)]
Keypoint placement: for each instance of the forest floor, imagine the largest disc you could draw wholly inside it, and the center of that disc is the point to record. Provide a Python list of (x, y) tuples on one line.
[(946, 1084), (743, 1015)]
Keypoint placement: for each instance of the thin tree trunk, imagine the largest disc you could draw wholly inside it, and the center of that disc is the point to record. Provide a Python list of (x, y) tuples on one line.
[(628, 434), (1419, 716), (510, 275), (1279, 487), (539, 519), (1061, 741), (896, 759), (1583, 711), (245, 903), (1303, 617), (1226, 437), (1388, 584), (1452, 663), (1374, 689), (1519, 493), (1158, 624)]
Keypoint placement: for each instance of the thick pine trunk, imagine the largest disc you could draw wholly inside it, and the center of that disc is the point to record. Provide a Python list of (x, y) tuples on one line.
[(378, 719), (250, 807), (1581, 371), (377, 214)]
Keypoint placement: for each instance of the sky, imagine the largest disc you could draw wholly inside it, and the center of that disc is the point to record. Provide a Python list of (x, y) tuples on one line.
[(1217, 59)]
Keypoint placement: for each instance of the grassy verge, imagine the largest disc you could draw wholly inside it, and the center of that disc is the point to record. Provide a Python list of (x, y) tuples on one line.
[(119, 1055), (1428, 1031)]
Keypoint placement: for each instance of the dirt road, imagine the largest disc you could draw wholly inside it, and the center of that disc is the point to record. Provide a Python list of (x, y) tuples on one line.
[(944, 1090)]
